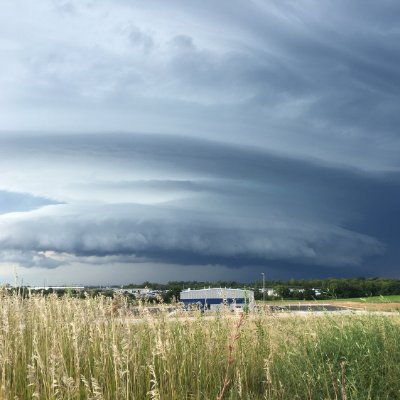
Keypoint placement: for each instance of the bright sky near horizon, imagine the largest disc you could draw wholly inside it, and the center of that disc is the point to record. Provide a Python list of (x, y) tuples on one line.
[(188, 140)]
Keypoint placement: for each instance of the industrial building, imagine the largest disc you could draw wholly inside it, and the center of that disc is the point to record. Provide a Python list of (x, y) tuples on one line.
[(216, 298)]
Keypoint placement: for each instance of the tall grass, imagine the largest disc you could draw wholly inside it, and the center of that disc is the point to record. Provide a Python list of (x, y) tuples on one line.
[(66, 348)]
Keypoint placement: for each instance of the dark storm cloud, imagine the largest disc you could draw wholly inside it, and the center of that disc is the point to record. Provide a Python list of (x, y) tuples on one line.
[(318, 79), (234, 206), (175, 236), (256, 168), (330, 72), (288, 119)]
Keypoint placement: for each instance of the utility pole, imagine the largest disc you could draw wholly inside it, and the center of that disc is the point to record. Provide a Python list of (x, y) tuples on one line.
[(263, 275)]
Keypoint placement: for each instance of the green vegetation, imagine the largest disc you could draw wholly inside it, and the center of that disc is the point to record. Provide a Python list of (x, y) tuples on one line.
[(313, 289), (97, 348), (370, 300), (334, 288), (305, 289)]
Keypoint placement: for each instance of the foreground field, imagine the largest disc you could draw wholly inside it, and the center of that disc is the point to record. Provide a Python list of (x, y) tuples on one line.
[(67, 348)]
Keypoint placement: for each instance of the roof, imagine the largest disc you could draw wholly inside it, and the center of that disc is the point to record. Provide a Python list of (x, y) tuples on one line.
[(216, 293)]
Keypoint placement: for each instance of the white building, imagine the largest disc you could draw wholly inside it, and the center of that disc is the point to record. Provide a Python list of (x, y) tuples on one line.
[(271, 292), (215, 298)]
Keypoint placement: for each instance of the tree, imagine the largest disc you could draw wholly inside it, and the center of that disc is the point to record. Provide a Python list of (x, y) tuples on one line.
[(282, 291)]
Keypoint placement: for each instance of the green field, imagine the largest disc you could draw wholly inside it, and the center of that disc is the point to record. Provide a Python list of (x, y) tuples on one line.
[(375, 299), (372, 299), (67, 348)]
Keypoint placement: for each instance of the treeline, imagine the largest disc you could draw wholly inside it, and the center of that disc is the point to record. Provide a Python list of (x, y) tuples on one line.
[(303, 289), (329, 288), (336, 288)]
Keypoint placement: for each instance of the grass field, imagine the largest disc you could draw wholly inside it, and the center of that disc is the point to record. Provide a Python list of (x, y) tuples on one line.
[(373, 303), (372, 299), (66, 348)]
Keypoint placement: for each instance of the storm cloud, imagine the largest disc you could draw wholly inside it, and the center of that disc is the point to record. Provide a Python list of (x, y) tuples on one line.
[(239, 135), (189, 201)]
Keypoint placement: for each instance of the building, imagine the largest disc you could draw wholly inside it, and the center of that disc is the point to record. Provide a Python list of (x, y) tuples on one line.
[(57, 288), (143, 293), (215, 298), (271, 292)]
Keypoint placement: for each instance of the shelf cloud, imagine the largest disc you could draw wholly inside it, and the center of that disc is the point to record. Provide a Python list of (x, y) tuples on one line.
[(228, 136), (186, 201)]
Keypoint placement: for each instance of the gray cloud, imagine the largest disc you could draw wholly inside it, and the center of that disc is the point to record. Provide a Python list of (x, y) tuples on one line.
[(317, 80), (278, 130), (28, 259), (193, 201), (168, 234)]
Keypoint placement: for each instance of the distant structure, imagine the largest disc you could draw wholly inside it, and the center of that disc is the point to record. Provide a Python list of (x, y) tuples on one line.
[(271, 292), (56, 288), (138, 292), (216, 298)]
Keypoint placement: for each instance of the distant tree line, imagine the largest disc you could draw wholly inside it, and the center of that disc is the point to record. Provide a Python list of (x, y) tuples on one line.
[(332, 288), (298, 289)]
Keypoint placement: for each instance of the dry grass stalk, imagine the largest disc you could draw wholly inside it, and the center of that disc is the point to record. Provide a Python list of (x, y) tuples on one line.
[(231, 358)]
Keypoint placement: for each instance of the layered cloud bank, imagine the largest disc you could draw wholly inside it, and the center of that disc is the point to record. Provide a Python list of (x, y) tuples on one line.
[(277, 145), (156, 198), (316, 79)]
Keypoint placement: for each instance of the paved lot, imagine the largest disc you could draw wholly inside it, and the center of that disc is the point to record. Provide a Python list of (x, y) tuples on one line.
[(307, 307)]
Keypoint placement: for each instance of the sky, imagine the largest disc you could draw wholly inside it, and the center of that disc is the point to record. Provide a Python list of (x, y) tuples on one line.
[(186, 140)]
